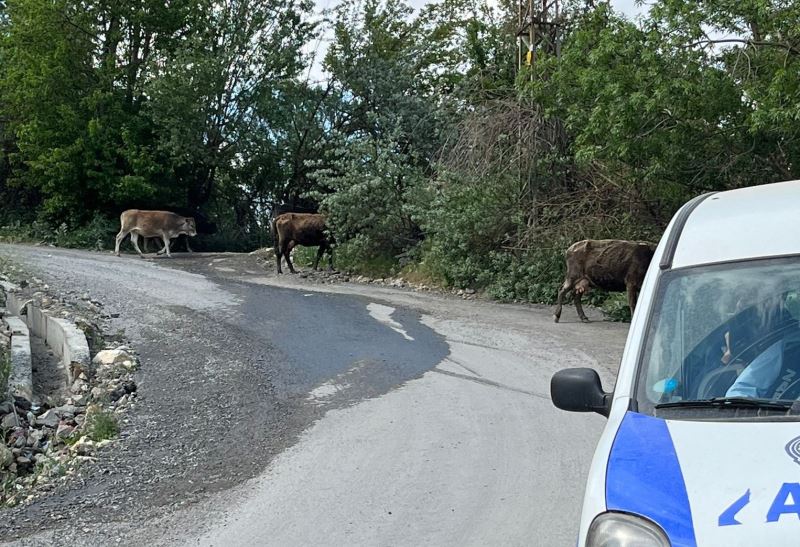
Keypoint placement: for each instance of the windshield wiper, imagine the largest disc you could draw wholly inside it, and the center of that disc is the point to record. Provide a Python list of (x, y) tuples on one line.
[(731, 402)]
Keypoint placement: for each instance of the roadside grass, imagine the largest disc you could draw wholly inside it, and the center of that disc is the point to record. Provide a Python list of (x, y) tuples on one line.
[(420, 273), (101, 425), (6, 485), (17, 232), (352, 257)]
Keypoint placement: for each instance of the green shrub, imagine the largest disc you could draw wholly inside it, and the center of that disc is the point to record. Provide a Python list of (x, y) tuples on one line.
[(97, 235), (231, 240), (615, 306), (101, 425), (19, 232), (361, 257)]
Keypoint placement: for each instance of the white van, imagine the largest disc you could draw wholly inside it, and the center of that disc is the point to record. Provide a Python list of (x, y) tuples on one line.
[(702, 444)]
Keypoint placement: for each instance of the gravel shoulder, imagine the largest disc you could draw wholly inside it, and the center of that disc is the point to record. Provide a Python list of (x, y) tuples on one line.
[(201, 392)]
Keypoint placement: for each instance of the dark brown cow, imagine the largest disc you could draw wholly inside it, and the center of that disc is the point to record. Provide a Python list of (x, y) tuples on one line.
[(161, 224), (307, 229), (607, 264)]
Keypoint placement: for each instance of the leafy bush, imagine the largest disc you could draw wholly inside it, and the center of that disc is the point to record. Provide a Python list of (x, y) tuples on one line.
[(615, 306), (19, 232), (97, 235), (359, 256), (533, 277)]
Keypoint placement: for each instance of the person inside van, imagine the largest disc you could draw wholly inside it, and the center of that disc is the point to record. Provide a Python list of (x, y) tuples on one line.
[(770, 375)]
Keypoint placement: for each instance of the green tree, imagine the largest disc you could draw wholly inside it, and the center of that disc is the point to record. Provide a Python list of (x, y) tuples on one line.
[(214, 97), (391, 73), (72, 84)]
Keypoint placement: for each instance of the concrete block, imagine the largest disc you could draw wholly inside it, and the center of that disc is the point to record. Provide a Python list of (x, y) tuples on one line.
[(16, 325), (69, 343), (54, 335), (17, 304), (37, 321), (20, 380)]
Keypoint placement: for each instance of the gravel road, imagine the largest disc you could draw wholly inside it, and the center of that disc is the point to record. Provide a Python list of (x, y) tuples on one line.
[(276, 411)]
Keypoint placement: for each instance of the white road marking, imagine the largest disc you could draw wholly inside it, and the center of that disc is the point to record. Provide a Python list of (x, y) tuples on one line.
[(383, 314)]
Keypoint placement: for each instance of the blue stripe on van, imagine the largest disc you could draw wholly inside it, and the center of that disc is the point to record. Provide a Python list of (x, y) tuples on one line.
[(644, 477)]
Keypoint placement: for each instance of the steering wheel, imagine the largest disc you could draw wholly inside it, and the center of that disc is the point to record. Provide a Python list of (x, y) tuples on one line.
[(715, 383)]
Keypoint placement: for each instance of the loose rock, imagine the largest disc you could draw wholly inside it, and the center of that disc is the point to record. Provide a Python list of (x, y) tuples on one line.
[(109, 357)]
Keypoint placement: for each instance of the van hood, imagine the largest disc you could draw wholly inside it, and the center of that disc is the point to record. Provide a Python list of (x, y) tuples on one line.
[(709, 483)]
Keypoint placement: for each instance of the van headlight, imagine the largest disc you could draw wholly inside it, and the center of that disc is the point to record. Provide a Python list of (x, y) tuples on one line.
[(623, 530)]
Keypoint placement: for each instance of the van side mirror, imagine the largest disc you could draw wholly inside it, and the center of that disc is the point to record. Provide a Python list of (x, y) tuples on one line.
[(579, 390)]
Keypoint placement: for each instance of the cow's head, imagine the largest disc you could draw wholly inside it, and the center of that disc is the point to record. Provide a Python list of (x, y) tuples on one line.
[(189, 226)]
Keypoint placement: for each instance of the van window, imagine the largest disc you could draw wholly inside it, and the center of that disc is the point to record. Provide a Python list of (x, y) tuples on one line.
[(729, 330)]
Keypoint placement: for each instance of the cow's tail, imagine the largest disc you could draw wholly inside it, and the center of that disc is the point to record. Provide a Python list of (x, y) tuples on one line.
[(273, 230), (276, 247)]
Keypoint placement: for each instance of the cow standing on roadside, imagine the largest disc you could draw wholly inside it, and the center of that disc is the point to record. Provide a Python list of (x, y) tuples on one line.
[(161, 224), (607, 264), (307, 229)]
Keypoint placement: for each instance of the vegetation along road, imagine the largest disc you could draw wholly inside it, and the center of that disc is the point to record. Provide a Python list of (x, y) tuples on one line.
[(276, 411)]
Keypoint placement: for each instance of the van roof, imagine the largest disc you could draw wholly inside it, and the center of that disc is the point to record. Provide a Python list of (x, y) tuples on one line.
[(755, 222)]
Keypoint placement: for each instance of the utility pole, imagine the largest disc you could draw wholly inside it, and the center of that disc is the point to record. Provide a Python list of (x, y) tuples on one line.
[(538, 29), (538, 33)]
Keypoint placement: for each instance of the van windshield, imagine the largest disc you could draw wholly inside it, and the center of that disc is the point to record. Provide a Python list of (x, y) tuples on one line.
[(724, 336)]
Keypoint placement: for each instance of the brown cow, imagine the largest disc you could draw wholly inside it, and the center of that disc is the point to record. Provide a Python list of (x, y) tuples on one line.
[(607, 264), (162, 224), (307, 229)]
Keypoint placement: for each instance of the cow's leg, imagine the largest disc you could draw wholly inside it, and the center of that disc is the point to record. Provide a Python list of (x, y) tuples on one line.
[(278, 256), (287, 254), (120, 236), (633, 295), (319, 255), (135, 241), (166, 245), (330, 258), (178, 237), (161, 251), (579, 307), (565, 288), (145, 246)]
